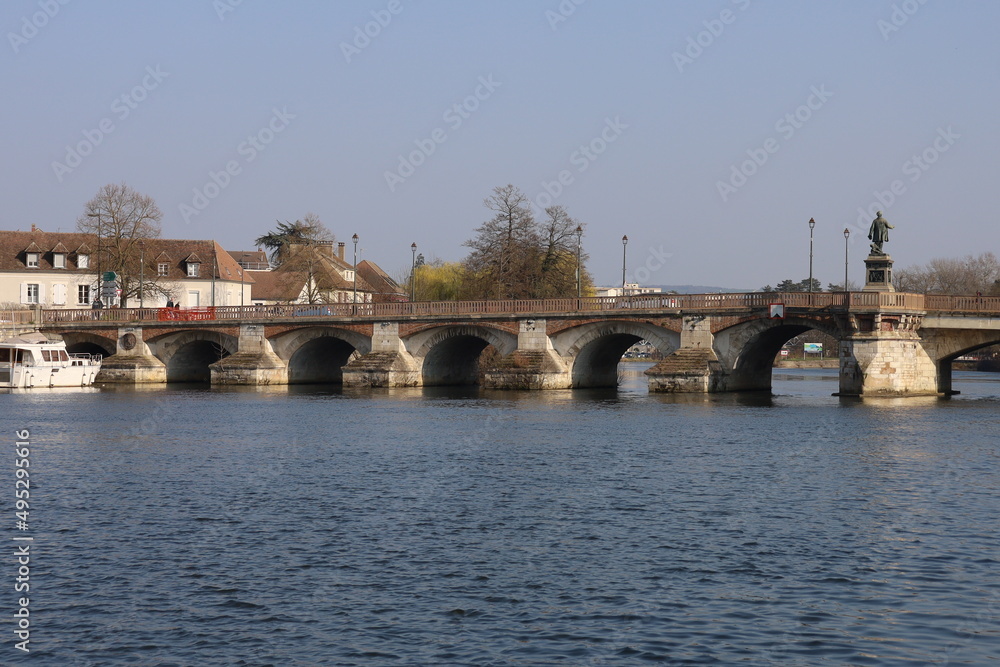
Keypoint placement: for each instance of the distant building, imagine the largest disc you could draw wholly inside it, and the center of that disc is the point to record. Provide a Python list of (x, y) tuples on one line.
[(631, 289), (251, 260), (315, 273)]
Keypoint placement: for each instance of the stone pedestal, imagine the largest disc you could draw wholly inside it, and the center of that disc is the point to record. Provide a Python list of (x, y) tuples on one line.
[(878, 274), (382, 369)]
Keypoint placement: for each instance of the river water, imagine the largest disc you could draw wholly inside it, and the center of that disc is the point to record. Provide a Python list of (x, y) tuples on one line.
[(313, 525)]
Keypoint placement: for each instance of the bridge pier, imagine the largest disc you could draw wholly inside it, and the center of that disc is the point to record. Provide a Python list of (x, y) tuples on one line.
[(388, 364), (254, 362), (533, 365), (133, 362), (694, 367), (887, 358)]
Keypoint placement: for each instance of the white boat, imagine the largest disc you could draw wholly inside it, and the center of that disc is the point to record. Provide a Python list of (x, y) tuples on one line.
[(32, 360)]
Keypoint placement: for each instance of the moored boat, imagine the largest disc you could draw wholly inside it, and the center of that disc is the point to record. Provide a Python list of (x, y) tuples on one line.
[(32, 360)]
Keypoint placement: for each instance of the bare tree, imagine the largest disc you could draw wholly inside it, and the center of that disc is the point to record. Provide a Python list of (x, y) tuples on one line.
[(123, 218), (968, 275), (505, 249)]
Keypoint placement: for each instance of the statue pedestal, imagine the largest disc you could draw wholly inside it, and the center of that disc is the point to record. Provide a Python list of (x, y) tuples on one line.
[(878, 274)]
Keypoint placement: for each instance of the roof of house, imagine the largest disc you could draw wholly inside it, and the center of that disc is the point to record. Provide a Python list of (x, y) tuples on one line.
[(380, 281), (256, 260), (277, 285), (14, 245), (176, 253)]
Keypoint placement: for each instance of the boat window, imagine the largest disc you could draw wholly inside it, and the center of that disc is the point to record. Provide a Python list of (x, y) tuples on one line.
[(45, 355), (63, 356), (5, 355)]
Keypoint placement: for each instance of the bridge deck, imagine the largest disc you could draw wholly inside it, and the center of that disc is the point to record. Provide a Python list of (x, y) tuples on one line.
[(686, 303)]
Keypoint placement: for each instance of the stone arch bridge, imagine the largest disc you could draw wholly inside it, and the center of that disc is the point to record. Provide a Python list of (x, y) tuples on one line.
[(893, 344)]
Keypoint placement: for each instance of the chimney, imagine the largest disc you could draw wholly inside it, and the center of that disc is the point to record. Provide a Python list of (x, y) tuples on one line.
[(340, 248), (33, 227)]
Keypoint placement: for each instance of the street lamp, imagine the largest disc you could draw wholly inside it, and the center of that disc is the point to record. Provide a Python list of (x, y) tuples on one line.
[(100, 276), (847, 235), (142, 271), (812, 223), (579, 244), (413, 268), (624, 244), (355, 301)]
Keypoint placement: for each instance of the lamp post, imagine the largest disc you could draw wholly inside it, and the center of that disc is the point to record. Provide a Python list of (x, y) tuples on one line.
[(812, 224), (847, 235), (579, 273), (100, 276), (142, 271), (624, 245), (413, 269), (243, 269), (355, 299)]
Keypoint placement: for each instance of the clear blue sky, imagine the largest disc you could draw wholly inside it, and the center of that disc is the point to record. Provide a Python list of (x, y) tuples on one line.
[(676, 120)]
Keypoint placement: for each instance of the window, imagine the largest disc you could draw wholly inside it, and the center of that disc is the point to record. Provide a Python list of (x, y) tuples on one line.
[(162, 268), (193, 269), (83, 261), (83, 295), (59, 260), (31, 293), (348, 275), (31, 260), (59, 294)]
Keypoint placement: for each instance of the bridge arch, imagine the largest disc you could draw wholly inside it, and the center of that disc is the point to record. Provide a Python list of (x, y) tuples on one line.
[(451, 354), (597, 347), (83, 342), (317, 355), (748, 349), (947, 345), (188, 354)]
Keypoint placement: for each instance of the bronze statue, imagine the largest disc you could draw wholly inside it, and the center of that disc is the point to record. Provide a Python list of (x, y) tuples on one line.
[(879, 233)]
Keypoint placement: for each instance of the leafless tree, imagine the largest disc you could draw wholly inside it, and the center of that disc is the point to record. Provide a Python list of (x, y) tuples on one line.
[(968, 275), (122, 218), (505, 249)]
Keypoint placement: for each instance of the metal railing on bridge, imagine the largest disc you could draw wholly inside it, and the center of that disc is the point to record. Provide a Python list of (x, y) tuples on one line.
[(644, 302)]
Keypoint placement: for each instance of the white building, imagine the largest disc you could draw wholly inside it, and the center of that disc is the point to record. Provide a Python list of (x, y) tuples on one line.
[(59, 270), (631, 289)]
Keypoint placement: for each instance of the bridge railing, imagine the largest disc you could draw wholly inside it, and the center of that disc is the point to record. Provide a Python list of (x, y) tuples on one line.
[(667, 302), (974, 304)]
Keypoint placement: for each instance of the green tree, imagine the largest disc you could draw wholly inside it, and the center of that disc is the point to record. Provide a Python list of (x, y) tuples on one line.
[(305, 231)]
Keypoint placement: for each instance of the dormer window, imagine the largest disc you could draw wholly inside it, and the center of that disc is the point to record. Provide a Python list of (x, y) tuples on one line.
[(162, 268), (348, 275), (31, 259), (194, 269), (83, 261), (58, 260)]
